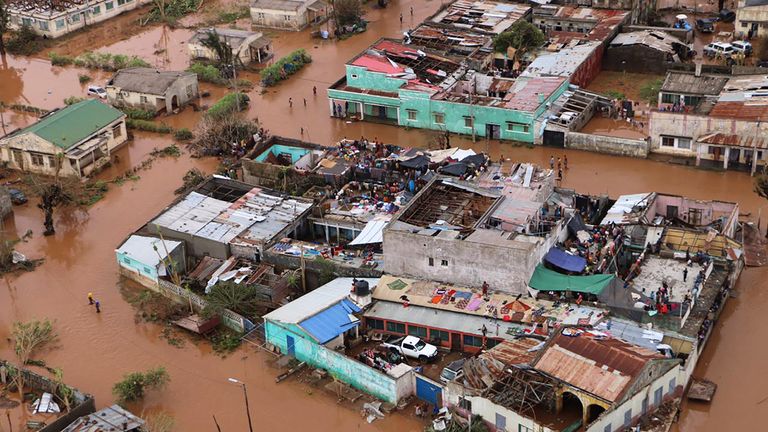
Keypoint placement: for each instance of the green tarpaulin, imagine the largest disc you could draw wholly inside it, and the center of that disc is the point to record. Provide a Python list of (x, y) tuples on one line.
[(545, 279)]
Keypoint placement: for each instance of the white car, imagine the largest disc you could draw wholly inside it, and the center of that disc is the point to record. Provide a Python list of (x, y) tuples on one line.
[(97, 91), (719, 48), (743, 47), (411, 346)]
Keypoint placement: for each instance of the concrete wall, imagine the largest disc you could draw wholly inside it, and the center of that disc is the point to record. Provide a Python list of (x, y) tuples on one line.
[(710, 210), (281, 19), (76, 17), (341, 367), (606, 144), (29, 143), (746, 16), (636, 59)]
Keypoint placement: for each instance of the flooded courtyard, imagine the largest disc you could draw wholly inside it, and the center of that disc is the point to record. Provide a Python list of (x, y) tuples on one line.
[(95, 350)]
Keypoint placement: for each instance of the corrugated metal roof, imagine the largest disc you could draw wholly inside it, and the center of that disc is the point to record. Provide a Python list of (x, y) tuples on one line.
[(142, 249), (524, 95), (749, 141), (655, 39), (688, 83), (114, 418), (514, 351), (740, 111), (628, 208), (326, 325), (281, 5), (562, 63), (603, 367), (372, 233), (315, 301)]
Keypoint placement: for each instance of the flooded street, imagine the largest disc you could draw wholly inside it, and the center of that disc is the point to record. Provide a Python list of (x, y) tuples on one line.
[(96, 350)]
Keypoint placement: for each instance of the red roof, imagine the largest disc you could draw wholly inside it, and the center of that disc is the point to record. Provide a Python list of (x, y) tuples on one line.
[(750, 140), (603, 367), (376, 63), (740, 111), (524, 94)]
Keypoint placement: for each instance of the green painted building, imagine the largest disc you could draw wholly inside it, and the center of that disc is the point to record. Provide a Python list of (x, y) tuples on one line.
[(405, 85)]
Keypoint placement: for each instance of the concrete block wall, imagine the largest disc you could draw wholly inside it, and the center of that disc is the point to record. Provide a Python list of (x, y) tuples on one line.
[(605, 144)]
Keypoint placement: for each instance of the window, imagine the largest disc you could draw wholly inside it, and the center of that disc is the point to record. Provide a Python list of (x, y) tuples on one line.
[(59, 24), (645, 405), (759, 155), (126, 260), (657, 396), (143, 99), (465, 404), (394, 327), (501, 421), (444, 263), (27, 22), (490, 343), (286, 17), (521, 428), (190, 90), (18, 158), (672, 385), (417, 331), (438, 335), (75, 17), (260, 16), (52, 161), (669, 98), (37, 159), (411, 114), (109, 5), (439, 118), (676, 142), (517, 127), (431, 262), (120, 2), (469, 122), (354, 76), (473, 341), (43, 25), (628, 417), (147, 270), (117, 131), (607, 428), (375, 324), (96, 10)]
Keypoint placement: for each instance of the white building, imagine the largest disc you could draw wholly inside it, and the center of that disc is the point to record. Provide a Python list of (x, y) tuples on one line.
[(249, 47), (287, 14), (54, 19), (152, 89), (751, 18), (79, 139)]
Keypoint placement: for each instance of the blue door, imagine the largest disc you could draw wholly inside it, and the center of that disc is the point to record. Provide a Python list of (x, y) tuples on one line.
[(291, 346), (428, 391)]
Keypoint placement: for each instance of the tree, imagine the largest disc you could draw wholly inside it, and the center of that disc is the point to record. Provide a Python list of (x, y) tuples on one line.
[(761, 185), (4, 24), (214, 137), (29, 338), (135, 384), (64, 392), (242, 299), (225, 58), (348, 12), (521, 36), (650, 90), (55, 192)]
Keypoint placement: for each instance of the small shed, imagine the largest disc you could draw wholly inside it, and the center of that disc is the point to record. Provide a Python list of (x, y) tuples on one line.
[(644, 51), (150, 257)]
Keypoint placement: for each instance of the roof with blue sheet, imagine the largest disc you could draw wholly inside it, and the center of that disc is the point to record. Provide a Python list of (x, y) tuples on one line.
[(330, 323), (565, 261)]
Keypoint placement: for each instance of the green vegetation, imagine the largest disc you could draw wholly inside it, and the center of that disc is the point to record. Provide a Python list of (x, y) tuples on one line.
[(285, 67), (94, 60), (139, 114), (225, 341), (241, 299), (135, 384), (615, 94), (73, 100), (83, 78), (327, 273), (169, 11), (229, 104), (172, 150), (24, 40), (183, 134), (207, 73), (28, 338), (94, 192), (521, 36), (650, 90), (347, 12), (5, 24), (149, 126), (233, 14)]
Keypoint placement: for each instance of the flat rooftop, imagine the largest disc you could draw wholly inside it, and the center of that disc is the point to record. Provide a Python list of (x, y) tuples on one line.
[(656, 270), (487, 16)]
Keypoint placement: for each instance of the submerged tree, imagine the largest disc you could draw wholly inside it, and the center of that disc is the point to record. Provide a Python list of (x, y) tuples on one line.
[(226, 60), (242, 299), (521, 36), (29, 338), (347, 12), (135, 384), (56, 192)]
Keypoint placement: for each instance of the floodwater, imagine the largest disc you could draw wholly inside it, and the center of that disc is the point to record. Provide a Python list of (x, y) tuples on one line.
[(96, 350)]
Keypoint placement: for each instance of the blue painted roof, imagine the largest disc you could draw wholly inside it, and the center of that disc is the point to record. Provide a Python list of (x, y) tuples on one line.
[(331, 322)]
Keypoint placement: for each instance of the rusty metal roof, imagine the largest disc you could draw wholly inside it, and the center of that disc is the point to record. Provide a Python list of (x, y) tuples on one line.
[(749, 141), (525, 93), (514, 352), (603, 367), (740, 111)]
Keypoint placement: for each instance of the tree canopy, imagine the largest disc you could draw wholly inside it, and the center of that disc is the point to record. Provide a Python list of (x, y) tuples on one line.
[(521, 36)]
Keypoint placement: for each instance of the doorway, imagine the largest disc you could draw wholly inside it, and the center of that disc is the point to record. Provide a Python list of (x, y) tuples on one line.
[(492, 131), (456, 342), (291, 345)]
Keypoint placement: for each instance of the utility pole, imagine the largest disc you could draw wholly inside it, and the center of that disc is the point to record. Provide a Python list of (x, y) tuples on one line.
[(247, 407)]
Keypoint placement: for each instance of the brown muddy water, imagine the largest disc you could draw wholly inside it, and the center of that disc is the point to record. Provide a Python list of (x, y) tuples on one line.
[(96, 350)]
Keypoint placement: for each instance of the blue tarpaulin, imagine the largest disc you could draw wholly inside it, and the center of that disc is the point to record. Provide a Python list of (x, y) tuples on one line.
[(329, 323), (563, 260)]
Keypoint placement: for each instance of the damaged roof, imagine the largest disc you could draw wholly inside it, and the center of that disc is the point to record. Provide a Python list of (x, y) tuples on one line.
[(489, 16), (719, 138), (657, 40), (114, 418), (526, 92), (604, 367), (146, 80), (688, 83)]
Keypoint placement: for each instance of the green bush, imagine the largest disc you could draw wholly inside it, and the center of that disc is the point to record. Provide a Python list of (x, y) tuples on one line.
[(207, 73), (228, 104), (73, 100), (149, 126), (139, 114), (183, 134), (25, 42), (83, 78), (135, 384), (285, 67), (95, 60), (60, 60)]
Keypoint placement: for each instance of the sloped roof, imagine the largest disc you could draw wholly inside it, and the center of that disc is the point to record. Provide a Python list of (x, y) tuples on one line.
[(329, 323), (719, 138), (146, 80), (71, 125), (688, 83), (114, 418), (142, 249), (655, 39), (603, 367)]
